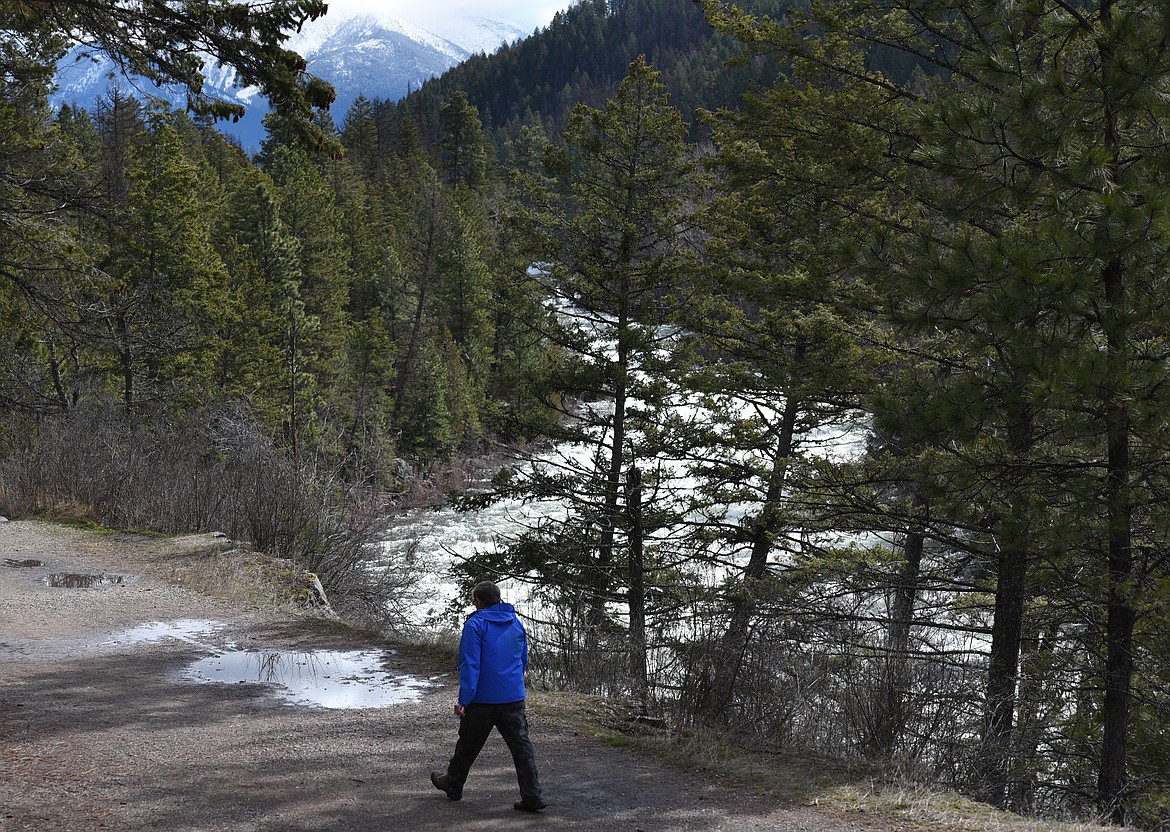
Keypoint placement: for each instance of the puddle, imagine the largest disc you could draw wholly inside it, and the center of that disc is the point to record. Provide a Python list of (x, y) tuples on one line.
[(74, 580), (321, 678), (190, 630), (29, 562)]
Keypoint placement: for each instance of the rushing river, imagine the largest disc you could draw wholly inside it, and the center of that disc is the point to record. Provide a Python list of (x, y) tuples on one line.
[(432, 542)]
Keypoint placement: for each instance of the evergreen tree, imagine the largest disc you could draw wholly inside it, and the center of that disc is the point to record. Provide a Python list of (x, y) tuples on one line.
[(782, 335), (317, 316), (247, 38), (610, 233), (462, 146), (268, 367), (359, 136), (421, 214), (42, 173), (370, 350), (1035, 246), (166, 295)]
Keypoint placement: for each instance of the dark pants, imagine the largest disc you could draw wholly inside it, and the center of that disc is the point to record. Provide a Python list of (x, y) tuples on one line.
[(475, 726)]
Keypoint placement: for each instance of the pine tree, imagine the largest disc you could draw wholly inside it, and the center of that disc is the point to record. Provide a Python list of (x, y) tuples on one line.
[(42, 173), (318, 318), (247, 38), (462, 145), (1029, 237), (421, 211), (166, 296), (269, 367), (783, 334), (610, 233), (359, 136)]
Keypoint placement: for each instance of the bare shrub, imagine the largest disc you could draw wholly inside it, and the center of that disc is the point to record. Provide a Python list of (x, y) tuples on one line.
[(568, 655), (213, 470), (812, 685)]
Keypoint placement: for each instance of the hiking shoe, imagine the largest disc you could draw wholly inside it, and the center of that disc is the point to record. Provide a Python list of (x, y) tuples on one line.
[(525, 806), (439, 781)]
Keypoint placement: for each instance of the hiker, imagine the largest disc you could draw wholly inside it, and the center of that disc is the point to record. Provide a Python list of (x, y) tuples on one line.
[(493, 655)]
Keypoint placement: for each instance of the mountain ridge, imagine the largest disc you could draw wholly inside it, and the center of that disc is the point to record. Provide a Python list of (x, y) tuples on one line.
[(379, 56)]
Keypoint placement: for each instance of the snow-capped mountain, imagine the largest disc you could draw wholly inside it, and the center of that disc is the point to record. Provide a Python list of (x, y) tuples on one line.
[(380, 56)]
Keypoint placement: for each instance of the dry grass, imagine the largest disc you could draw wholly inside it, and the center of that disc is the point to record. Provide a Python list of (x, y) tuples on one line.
[(791, 778), (216, 566), (858, 789), (441, 646), (919, 808), (65, 511)]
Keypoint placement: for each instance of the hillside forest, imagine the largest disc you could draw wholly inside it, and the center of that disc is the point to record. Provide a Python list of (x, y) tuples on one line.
[(853, 313)]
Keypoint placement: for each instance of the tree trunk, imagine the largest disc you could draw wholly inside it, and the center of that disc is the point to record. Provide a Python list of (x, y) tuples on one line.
[(1032, 717), (639, 684), (1013, 538), (1002, 672), (613, 476), (726, 665), (1120, 615), (55, 373), (293, 367), (891, 715), (126, 359)]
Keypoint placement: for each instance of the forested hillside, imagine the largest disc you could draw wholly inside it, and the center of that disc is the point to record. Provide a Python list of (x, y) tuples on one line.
[(582, 56), (271, 346), (859, 392)]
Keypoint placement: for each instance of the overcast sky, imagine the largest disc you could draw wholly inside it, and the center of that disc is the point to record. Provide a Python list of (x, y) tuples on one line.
[(528, 14)]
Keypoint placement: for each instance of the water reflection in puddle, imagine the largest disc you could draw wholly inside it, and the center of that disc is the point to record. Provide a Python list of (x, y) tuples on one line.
[(321, 678), (74, 580), (28, 562), (190, 630)]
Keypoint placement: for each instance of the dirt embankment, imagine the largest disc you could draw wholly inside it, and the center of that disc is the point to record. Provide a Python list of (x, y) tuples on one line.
[(102, 727)]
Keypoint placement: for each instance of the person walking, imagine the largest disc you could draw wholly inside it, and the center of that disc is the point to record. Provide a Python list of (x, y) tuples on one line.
[(493, 655)]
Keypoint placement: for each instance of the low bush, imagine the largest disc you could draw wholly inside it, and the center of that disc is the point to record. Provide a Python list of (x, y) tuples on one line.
[(211, 470)]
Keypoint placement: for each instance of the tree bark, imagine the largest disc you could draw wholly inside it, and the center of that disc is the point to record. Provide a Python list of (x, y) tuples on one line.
[(639, 682), (891, 714), (728, 663), (1007, 630), (1120, 614), (1002, 673), (613, 475)]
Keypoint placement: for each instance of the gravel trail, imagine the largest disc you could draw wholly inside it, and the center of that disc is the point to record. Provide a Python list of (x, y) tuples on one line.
[(103, 730)]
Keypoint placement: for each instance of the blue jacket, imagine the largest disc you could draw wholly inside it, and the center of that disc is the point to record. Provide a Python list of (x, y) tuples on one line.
[(493, 655)]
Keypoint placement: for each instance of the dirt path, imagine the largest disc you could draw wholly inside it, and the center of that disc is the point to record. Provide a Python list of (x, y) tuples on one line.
[(97, 732)]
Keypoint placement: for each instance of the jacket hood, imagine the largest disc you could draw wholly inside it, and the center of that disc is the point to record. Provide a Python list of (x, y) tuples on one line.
[(498, 613)]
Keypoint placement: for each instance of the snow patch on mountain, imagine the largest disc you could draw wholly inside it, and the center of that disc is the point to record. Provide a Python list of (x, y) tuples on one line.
[(379, 55), (455, 38)]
